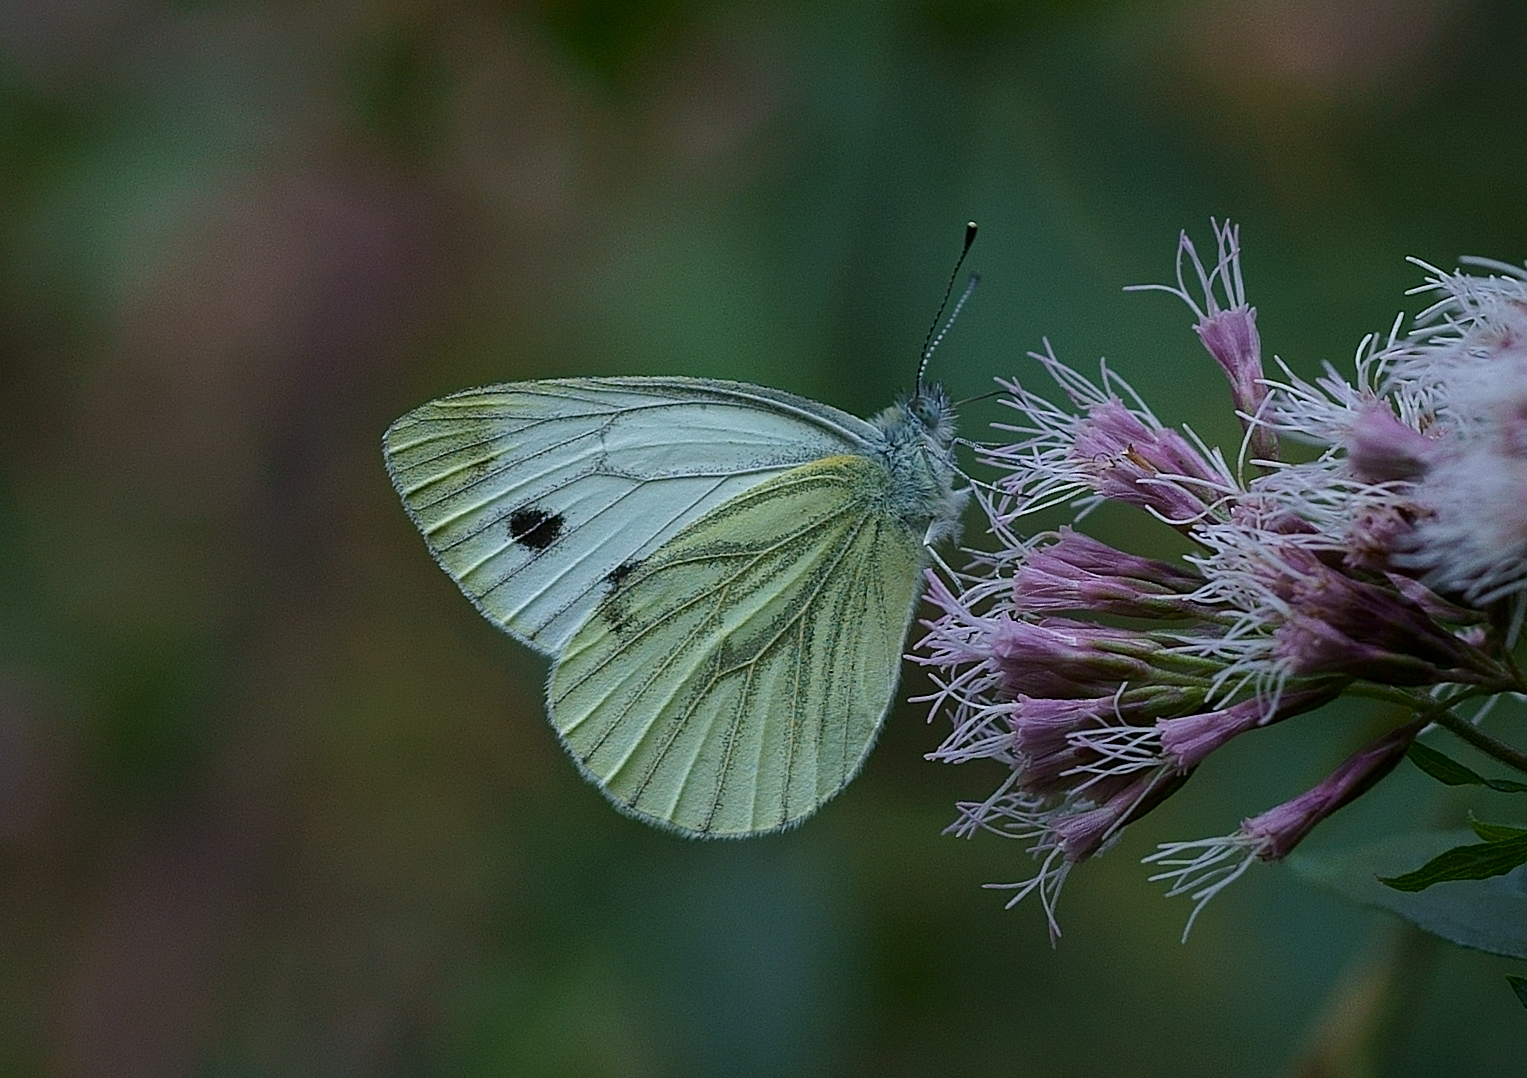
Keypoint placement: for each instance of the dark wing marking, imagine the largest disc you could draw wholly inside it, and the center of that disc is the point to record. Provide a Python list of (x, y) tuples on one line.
[(531, 494)]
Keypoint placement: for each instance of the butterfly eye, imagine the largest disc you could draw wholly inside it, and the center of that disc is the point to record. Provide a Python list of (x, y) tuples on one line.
[(931, 409)]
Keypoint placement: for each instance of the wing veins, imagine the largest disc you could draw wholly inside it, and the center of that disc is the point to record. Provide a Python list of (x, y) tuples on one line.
[(747, 668), (574, 530), (610, 413), (455, 422), (509, 466), (753, 556), (661, 753), (657, 712), (691, 392), (854, 596), (693, 559), (706, 623), (852, 537), (794, 728), (729, 742), (573, 565)]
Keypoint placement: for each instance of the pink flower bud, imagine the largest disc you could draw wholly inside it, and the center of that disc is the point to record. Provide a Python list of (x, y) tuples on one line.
[(1381, 449), (1231, 337), (1276, 832), (1376, 534), (1080, 835), (1188, 740), (1077, 572), (1339, 625), (1152, 467), (1067, 747), (1062, 659)]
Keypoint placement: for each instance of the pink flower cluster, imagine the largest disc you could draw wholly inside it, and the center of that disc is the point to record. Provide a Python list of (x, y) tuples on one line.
[(1390, 566)]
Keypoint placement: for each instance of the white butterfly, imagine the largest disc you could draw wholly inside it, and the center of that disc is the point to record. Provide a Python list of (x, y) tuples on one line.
[(723, 573)]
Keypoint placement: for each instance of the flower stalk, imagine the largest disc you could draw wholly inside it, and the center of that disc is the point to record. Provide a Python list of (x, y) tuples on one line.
[(1492, 747)]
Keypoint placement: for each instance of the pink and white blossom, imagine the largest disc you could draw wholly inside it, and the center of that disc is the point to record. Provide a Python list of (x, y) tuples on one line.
[(1379, 566)]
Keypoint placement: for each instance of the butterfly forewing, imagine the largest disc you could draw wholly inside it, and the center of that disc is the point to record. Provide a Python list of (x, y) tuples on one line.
[(534, 495), (735, 679)]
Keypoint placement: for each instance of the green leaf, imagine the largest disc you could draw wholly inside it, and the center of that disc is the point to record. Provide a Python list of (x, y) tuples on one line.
[(1495, 832), (1488, 915), (1476, 861), (1446, 769), (1519, 986), (1441, 767), (1505, 786)]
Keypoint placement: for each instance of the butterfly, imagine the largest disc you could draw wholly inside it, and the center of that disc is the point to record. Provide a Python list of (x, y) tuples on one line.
[(723, 574)]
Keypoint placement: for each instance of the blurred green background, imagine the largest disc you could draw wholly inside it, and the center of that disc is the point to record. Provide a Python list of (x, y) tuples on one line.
[(275, 800)]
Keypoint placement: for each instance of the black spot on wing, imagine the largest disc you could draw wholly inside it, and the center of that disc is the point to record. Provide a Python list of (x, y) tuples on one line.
[(614, 605), (534, 528), (617, 575)]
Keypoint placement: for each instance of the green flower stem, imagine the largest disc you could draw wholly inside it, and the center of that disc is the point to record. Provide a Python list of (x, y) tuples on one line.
[(1493, 747)]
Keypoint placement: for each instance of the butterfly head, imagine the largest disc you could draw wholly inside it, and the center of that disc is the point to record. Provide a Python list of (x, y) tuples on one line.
[(925, 419), (931, 407), (919, 451)]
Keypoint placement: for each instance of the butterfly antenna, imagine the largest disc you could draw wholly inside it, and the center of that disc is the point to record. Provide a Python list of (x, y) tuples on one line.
[(988, 395), (932, 342)]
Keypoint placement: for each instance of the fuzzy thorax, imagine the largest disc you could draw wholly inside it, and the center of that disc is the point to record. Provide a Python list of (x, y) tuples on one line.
[(919, 433)]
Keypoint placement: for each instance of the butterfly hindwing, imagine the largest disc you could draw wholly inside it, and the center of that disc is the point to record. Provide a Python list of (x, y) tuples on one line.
[(531, 495), (735, 678)]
